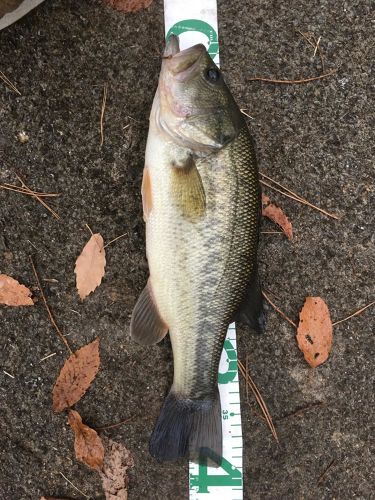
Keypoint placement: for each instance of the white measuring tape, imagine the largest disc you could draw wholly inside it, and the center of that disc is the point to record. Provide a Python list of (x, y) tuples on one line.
[(195, 21)]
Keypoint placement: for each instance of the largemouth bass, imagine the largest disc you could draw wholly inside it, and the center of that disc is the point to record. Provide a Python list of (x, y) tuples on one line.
[(201, 205)]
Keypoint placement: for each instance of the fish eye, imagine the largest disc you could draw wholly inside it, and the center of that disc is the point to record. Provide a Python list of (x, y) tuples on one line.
[(212, 75)]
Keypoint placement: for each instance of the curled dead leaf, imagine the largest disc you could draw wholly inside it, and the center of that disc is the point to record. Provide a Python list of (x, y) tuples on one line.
[(276, 214), (12, 293), (129, 5), (88, 446), (117, 460), (314, 333), (76, 376), (90, 265)]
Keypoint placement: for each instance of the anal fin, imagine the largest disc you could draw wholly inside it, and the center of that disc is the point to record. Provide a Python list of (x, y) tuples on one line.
[(251, 311), (146, 325)]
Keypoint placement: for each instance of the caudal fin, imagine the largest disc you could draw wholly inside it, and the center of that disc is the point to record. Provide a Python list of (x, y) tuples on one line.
[(187, 427)]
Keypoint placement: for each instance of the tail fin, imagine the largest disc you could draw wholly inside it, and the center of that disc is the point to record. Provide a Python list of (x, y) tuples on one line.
[(187, 427)]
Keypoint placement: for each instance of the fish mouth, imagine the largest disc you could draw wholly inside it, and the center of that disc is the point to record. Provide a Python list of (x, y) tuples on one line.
[(182, 63)]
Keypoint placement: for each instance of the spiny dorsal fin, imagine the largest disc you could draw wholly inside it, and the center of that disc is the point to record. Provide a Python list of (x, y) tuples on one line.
[(187, 189), (146, 325)]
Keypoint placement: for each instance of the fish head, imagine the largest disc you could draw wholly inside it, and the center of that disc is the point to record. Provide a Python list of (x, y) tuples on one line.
[(195, 107)]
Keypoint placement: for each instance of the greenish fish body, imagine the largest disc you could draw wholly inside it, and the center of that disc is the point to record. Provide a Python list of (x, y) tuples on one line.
[(201, 200)]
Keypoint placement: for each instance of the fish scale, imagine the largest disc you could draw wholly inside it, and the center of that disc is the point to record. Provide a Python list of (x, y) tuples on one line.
[(203, 275)]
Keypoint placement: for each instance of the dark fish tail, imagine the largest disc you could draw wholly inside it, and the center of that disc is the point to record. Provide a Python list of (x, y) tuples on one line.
[(187, 427)]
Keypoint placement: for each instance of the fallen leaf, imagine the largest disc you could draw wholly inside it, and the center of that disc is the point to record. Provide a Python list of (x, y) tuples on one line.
[(90, 266), (13, 293), (87, 444), (129, 5), (117, 460), (314, 333), (275, 213), (76, 376)]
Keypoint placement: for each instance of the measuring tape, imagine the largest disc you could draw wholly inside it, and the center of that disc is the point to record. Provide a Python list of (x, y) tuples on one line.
[(195, 21)]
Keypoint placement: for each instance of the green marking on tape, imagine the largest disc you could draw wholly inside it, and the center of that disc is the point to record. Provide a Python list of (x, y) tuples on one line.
[(230, 374), (201, 27), (203, 480)]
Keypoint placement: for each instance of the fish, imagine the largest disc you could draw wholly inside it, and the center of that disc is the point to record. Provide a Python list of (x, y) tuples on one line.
[(201, 206)]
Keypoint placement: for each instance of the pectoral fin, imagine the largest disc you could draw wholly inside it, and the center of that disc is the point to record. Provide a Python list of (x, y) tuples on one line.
[(146, 325), (251, 311), (187, 189), (146, 194)]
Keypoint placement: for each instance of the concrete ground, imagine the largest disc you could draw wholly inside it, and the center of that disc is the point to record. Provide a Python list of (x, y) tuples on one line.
[(316, 138)]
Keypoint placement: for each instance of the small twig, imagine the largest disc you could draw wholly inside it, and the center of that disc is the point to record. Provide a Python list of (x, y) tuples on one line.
[(48, 308), (259, 399), (115, 239), (302, 80), (56, 215), (112, 426), (278, 310), (9, 83), (354, 314), (300, 200), (75, 487), (324, 473), (9, 375), (46, 357), (105, 88)]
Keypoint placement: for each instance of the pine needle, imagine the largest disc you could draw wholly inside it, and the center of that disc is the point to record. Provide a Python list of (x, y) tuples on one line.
[(105, 88), (259, 399), (113, 426), (75, 487), (9, 83), (22, 190), (278, 310), (114, 239), (290, 194), (354, 314), (37, 197), (302, 80), (52, 319)]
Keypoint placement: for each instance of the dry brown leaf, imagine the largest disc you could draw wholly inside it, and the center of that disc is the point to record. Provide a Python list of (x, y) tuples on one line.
[(117, 460), (275, 213), (76, 376), (90, 266), (314, 333), (13, 293), (129, 5), (88, 446)]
